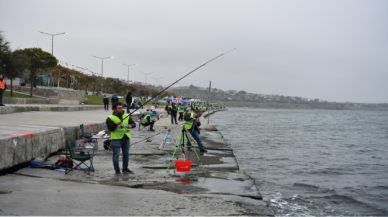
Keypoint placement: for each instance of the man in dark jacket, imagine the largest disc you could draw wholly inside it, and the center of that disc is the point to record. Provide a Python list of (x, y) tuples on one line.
[(192, 124), (119, 125), (114, 99), (128, 100), (3, 86), (173, 111), (105, 99)]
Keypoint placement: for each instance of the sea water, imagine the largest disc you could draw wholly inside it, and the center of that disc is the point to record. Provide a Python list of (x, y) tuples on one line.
[(312, 162)]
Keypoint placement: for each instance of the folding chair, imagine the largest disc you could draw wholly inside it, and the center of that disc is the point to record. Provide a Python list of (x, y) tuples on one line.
[(88, 138), (81, 158)]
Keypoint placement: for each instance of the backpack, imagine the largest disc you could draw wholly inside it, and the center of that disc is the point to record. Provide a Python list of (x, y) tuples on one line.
[(167, 109), (64, 163)]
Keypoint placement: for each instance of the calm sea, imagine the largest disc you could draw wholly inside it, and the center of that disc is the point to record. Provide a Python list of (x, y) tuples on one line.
[(312, 162)]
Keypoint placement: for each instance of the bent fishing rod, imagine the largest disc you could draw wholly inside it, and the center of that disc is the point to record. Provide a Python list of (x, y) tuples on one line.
[(181, 79)]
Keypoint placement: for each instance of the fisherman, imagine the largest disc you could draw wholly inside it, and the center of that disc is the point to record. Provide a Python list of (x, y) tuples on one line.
[(173, 110), (186, 110), (119, 126), (147, 121), (196, 107), (192, 124), (181, 109)]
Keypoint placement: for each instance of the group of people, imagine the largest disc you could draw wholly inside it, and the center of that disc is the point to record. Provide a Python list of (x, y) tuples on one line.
[(119, 124), (129, 102), (173, 109)]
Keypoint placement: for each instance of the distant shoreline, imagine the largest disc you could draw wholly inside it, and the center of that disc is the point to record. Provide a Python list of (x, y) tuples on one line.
[(298, 106)]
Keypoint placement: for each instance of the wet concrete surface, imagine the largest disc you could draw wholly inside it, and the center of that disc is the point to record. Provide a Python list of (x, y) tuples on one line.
[(225, 191)]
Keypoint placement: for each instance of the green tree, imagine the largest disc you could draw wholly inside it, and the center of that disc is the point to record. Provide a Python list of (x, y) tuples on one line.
[(108, 83), (18, 63), (5, 53), (38, 59), (118, 86)]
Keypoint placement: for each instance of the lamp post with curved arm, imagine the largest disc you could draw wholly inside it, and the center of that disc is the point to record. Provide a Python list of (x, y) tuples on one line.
[(52, 39), (128, 70), (145, 77), (157, 81)]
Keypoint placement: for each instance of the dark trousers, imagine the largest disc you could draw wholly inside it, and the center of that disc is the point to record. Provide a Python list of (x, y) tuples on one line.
[(173, 116), (127, 109), (149, 124), (1, 96), (106, 106), (180, 116)]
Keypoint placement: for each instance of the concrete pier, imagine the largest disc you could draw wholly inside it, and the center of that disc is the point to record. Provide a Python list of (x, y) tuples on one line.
[(226, 190), (17, 108)]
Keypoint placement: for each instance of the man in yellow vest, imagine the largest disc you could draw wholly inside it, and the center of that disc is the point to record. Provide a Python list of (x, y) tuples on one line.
[(3, 86), (147, 121), (119, 125), (181, 110), (192, 124)]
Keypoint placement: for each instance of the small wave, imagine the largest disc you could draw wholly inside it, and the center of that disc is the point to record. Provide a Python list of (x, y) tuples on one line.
[(314, 188), (381, 187)]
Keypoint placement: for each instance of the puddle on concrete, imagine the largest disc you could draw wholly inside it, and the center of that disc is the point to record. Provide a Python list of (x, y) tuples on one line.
[(5, 192), (222, 186), (228, 162)]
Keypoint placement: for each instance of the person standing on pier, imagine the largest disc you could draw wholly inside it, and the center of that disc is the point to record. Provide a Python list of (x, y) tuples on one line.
[(105, 99), (3, 86), (181, 109), (173, 111), (119, 126), (192, 124), (128, 100)]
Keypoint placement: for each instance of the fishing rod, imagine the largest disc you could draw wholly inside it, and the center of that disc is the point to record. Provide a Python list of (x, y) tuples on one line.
[(181, 79), (157, 134)]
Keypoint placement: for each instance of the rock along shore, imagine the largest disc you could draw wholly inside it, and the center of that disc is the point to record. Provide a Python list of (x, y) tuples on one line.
[(225, 191)]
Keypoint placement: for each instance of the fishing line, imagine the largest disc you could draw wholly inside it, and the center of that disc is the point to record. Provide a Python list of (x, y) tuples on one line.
[(181, 79), (156, 134)]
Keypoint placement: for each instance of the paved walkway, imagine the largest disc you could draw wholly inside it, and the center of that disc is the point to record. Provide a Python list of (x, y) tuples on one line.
[(225, 191)]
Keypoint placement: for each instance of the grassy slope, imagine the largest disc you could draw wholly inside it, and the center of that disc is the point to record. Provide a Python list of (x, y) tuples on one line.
[(17, 95)]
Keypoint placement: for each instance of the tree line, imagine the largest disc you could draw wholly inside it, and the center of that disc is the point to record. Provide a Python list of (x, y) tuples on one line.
[(31, 61)]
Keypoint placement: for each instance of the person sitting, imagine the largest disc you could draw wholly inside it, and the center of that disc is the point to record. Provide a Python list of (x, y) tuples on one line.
[(153, 109), (140, 104), (147, 121)]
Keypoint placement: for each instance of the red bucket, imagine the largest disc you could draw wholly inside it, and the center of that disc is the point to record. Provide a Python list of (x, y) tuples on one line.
[(183, 166)]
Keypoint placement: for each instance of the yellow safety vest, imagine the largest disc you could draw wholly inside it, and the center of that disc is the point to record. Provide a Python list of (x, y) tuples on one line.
[(122, 129), (189, 124), (145, 119)]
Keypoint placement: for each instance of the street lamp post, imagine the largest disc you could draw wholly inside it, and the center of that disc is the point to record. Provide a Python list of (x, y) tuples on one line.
[(102, 63), (128, 70), (145, 77), (52, 39), (102, 67), (157, 81)]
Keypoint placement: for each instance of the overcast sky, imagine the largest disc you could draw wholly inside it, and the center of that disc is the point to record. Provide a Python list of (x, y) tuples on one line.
[(334, 50)]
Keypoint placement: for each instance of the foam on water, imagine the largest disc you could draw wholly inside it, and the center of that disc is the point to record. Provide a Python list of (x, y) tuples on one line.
[(312, 162)]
